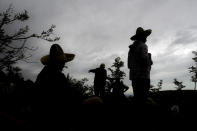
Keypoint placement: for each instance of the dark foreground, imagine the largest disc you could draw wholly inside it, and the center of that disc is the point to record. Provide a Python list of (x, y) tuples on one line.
[(160, 113)]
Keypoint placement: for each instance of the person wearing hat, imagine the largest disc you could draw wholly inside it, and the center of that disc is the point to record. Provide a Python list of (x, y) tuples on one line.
[(139, 63), (54, 90), (99, 80)]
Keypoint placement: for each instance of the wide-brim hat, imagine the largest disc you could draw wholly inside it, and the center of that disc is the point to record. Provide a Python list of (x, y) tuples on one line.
[(56, 55), (141, 33)]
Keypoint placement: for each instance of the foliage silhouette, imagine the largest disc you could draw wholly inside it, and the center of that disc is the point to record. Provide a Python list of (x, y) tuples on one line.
[(13, 46), (116, 73), (80, 85), (179, 85), (159, 87), (193, 70), (115, 88)]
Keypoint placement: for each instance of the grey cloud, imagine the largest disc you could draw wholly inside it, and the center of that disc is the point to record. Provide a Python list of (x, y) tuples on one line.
[(168, 66), (30, 70), (185, 37)]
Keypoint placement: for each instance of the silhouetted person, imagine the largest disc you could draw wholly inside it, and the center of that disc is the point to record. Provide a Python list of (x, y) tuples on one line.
[(139, 63), (99, 80), (119, 88), (54, 90), (55, 94), (94, 100)]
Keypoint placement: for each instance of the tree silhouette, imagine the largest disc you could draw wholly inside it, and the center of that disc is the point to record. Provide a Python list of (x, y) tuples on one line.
[(14, 74), (116, 73), (159, 87), (179, 85), (13, 45), (193, 70), (80, 85)]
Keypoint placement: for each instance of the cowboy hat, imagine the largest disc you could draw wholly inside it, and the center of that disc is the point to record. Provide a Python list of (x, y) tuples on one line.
[(141, 33), (56, 55)]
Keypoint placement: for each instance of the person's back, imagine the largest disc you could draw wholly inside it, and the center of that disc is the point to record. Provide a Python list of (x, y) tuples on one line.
[(53, 90), (100, 76), (138, 61), (99, 80), (51, 84)]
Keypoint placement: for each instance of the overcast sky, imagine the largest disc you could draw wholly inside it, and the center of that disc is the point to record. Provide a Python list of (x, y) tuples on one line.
[(98, 31)]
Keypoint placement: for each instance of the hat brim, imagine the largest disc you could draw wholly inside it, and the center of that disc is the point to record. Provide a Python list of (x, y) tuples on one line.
[(66, 57), (145, 34)]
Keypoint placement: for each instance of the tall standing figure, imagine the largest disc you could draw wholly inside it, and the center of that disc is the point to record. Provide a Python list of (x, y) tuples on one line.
[(139, 63), (99, 80)]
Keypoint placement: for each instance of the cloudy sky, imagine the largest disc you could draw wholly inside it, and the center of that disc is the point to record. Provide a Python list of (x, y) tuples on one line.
[(98, 31)]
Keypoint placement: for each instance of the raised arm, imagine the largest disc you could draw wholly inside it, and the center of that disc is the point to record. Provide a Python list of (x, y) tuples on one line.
[(92, 70)]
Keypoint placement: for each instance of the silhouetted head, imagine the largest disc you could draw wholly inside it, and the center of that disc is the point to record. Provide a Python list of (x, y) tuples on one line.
[(56, 58), (94, 100), (141, 34), (102, 65)]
